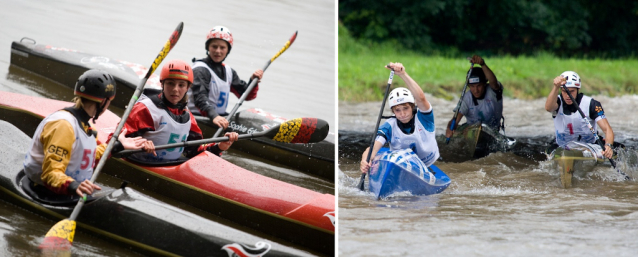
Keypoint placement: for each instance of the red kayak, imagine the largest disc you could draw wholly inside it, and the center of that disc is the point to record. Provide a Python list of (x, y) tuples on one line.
[(301, 216)]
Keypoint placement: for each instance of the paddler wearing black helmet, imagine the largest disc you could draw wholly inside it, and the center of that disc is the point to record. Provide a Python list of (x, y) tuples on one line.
[(484, 104), (64, 147)]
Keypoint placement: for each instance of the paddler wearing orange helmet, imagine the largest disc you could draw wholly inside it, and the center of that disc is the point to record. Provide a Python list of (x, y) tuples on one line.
[(164, 118)]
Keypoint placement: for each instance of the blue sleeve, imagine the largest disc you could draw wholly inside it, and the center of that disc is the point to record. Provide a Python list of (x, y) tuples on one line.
[(427, 119), (385, 131)]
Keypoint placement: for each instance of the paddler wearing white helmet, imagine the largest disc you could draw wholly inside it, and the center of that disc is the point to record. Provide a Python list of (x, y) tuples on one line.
[(412, 125), (215, 80), (568, 123)]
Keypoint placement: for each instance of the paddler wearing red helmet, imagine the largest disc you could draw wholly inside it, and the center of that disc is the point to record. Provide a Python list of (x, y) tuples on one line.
[(215, 80)]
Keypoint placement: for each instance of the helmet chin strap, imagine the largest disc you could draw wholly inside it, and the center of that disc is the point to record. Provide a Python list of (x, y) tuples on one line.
[(99, 109)]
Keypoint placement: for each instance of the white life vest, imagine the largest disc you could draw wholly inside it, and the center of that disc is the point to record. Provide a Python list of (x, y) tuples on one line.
[(421, 141), (572, 127), (82, 159), (489, 110), (219, 90), (167, 131)]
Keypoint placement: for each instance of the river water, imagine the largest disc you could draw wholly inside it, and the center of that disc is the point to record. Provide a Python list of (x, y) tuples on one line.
[(300, 83), (506, 204)]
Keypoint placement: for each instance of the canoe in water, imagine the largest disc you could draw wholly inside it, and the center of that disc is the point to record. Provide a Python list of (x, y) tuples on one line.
[(471, 142), (576, 157), (402, 170)]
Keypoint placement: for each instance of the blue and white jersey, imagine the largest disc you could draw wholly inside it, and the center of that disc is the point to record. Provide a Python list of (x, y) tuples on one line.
[(167, 131), (219, 90), (422, 140)]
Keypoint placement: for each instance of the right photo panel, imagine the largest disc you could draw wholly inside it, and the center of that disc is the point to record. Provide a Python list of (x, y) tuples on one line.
[(500, 128)]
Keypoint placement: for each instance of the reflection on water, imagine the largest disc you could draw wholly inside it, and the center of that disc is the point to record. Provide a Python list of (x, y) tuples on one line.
[(505, 204)]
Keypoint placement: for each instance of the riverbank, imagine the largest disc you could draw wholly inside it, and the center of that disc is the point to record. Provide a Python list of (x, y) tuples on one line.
[(442, 74)]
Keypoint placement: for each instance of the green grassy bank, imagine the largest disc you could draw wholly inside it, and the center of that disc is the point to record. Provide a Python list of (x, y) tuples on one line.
[(362, 76)]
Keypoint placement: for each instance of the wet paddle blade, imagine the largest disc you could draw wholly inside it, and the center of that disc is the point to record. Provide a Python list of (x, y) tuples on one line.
[(60, 236), (302, 130)]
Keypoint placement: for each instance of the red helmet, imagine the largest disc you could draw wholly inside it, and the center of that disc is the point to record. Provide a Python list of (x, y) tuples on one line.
[(220, 32), (177, 69)]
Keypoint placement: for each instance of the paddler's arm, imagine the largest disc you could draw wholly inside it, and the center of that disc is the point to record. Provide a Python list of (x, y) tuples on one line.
[(238, 86), (417, 92), (489, 74), (365, 165), (609, 136), (448, 131), (57, 139), (123, 142), (597, 113), (551, 104)]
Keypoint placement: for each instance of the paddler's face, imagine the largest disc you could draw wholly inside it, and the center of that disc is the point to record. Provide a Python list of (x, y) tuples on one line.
[(403, 112), (217, 50), (477, 89), (175, 89), (572, 91)]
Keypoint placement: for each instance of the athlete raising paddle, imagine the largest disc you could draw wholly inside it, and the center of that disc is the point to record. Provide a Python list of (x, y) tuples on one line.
[(412, 125)]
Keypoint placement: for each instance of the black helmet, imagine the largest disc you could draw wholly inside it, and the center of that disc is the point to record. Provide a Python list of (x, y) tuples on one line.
[(95, 85)]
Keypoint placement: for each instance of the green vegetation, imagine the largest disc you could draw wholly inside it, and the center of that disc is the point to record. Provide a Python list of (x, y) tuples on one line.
[(442, 73)]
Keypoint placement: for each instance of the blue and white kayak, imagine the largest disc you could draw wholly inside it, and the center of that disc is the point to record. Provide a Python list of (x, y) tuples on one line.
[(402, 170)]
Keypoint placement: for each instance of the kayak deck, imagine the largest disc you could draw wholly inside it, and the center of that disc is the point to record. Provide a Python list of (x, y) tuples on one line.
[(402, 170)]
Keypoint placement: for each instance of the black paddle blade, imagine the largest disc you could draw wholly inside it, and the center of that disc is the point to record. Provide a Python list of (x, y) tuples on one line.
[(362, 182), (301, 130)]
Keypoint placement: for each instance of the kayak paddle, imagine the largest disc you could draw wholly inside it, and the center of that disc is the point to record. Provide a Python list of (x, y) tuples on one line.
[(60, 236), (254, 82), (300, 130), (458, 105), (376, 127), (600, 142)]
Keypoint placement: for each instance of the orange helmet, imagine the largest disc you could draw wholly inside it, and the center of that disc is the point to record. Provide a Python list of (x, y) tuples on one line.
[(177, 69)]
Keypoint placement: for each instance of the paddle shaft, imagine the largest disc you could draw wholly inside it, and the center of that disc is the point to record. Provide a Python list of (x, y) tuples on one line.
[(197, 142), (138, 91), (591, 128), (458, 105), (376, 127), (254, 82)]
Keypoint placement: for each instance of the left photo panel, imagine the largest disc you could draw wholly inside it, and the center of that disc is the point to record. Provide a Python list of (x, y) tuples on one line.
[(146, 127)]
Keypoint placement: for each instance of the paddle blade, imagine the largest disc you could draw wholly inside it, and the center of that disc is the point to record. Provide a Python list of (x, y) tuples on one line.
[(362, 182), (60, 236), (302, 130)]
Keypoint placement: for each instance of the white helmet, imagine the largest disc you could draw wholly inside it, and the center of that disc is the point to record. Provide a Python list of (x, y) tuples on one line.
[(572, 78), (400, 95), (220, 32)]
